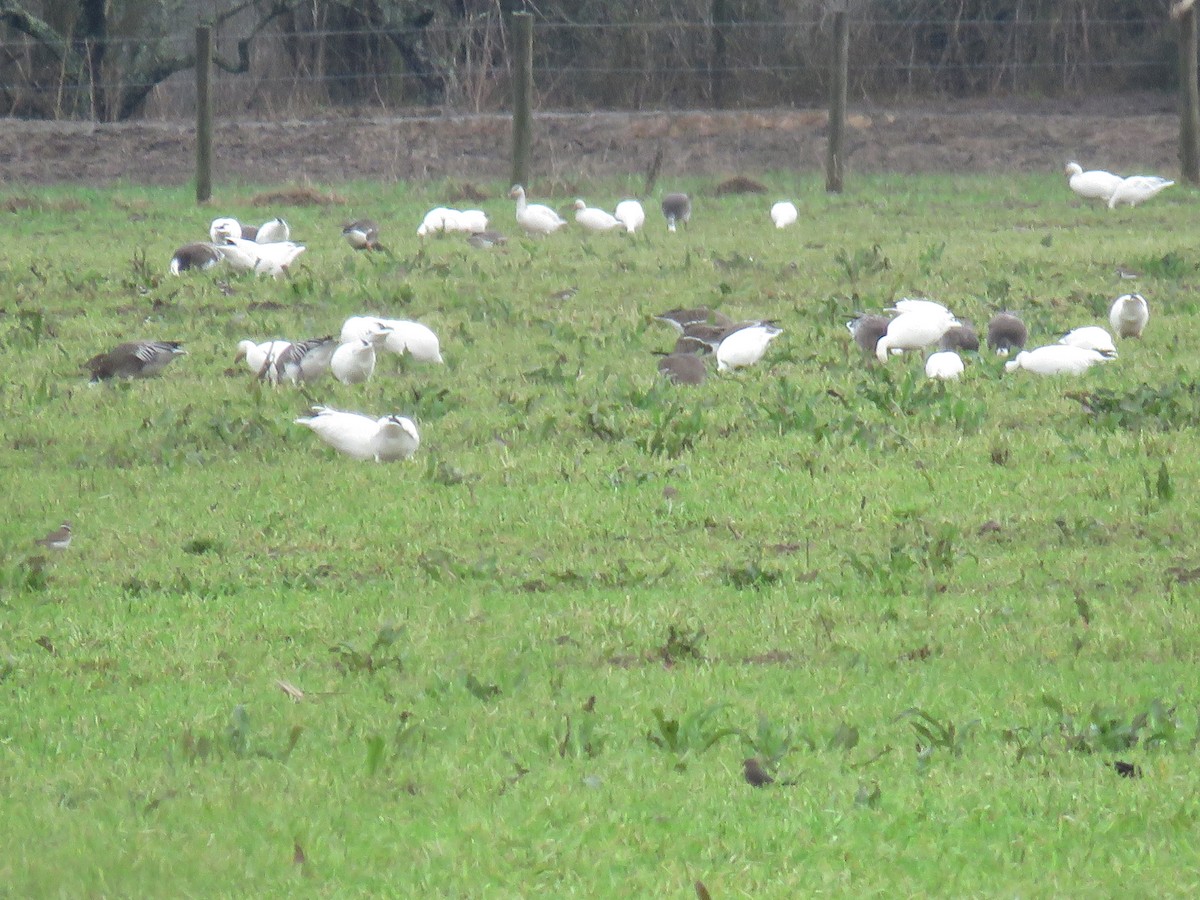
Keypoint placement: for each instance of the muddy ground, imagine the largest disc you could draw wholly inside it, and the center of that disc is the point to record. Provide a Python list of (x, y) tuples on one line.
[(1125, 134)]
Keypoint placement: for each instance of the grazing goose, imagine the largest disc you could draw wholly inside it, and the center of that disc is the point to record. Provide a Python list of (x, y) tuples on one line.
[(1006, 333), (683, 368), (222, 229), (1055, 359), (1137, 189), (353, 363), (679, 318), (305, 361), (382, 440), (915, 329), (594, 219), (435, 220), (58, 539), (784, 213), (195, 256), (1094, 185), (945, 365), (1091, 337), (960, 338), (471, 221), (867, 330), (630, 214), (261, 358), (135, 359), (534, 217), (676, 208), (705, 337), (417, 340), (274, 232), (920, 305), (263, 259), (1128, 315), (362, 234), (745, 346), (485, 240)]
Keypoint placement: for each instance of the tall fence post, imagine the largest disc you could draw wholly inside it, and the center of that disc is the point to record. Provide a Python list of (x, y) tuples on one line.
[(522, 108), (203, 113), (835, 160), (1184, 13)]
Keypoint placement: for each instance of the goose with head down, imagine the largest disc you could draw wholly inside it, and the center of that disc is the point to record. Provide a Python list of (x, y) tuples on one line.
[(1095, 184), (1006, 333), (1091, 337), (1128, 315), (134, 359), (784, 213), (745, 346), (630, 214), (1055, 359), (261, 357), (921, 324), (676, 209), (1137, 189), (594, 219), (360, 437)]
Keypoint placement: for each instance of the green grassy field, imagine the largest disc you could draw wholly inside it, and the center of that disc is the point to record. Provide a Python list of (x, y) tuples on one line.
[(534, 657)]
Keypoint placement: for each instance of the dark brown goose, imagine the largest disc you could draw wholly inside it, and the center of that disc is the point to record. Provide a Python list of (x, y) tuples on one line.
[(1006, 333), (679, 318), (867, 330), (195, 256), (136, 359), (960, 338), (683, 368), (677, 208)]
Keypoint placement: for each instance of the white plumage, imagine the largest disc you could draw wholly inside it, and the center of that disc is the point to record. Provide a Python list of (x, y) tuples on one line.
[(1055, 359), (630, 214), (223, 228), (353, 363), (261, 358), (1128, 315), (534, 217), (405, 336), (745, 346), (472, 221), (945, 365), (274, 232), (1091, 337), (594, 219), (358, 436), (784, 213), (435, 220), (263, 259), (1137, 189), (921, 324), (1092, 185)]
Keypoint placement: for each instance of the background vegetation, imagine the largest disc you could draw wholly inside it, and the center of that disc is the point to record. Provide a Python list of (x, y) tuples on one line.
[(114, 60), (530, 661)]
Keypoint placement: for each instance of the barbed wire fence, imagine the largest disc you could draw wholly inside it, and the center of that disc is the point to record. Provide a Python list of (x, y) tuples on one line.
[(624, 65)]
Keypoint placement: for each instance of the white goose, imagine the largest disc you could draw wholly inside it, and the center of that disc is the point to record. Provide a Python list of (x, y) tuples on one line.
[(784, 213), (917, 327), (261, 358), (745, 346), (1055, 359), (382, 440), (1091, 337), (1128, 315), (471, 221), (534, 217), (353, 362), (274, 232), (223, 228), (1137, 189), (263, 259), (405, 336), (1092, 185), (630, 214), (945, 365), (435, 220), (594, 219)]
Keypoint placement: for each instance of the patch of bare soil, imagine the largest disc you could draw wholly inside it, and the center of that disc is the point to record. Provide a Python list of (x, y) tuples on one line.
[(1127, 134)]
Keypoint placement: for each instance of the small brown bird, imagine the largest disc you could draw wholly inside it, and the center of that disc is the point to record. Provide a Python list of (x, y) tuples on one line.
[(58, 539), (756, 775), (135, 359)]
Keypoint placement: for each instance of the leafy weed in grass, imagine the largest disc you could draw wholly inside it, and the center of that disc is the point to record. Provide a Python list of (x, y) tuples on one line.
[(1103, 729), (692, 734), (374, 658)]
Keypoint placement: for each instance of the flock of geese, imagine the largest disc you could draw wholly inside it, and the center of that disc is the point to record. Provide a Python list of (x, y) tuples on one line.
[(912, 325)]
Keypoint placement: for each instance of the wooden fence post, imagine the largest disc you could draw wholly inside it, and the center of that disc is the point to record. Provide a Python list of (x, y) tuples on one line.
[(835, 160), (522, 108), (1184, 13), (203, 113)]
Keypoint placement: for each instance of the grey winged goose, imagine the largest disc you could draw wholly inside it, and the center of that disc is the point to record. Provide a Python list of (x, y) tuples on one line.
[(485, 240), (680, 317), (683, 368), (135, 359), (362, 234), (306, 361)]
